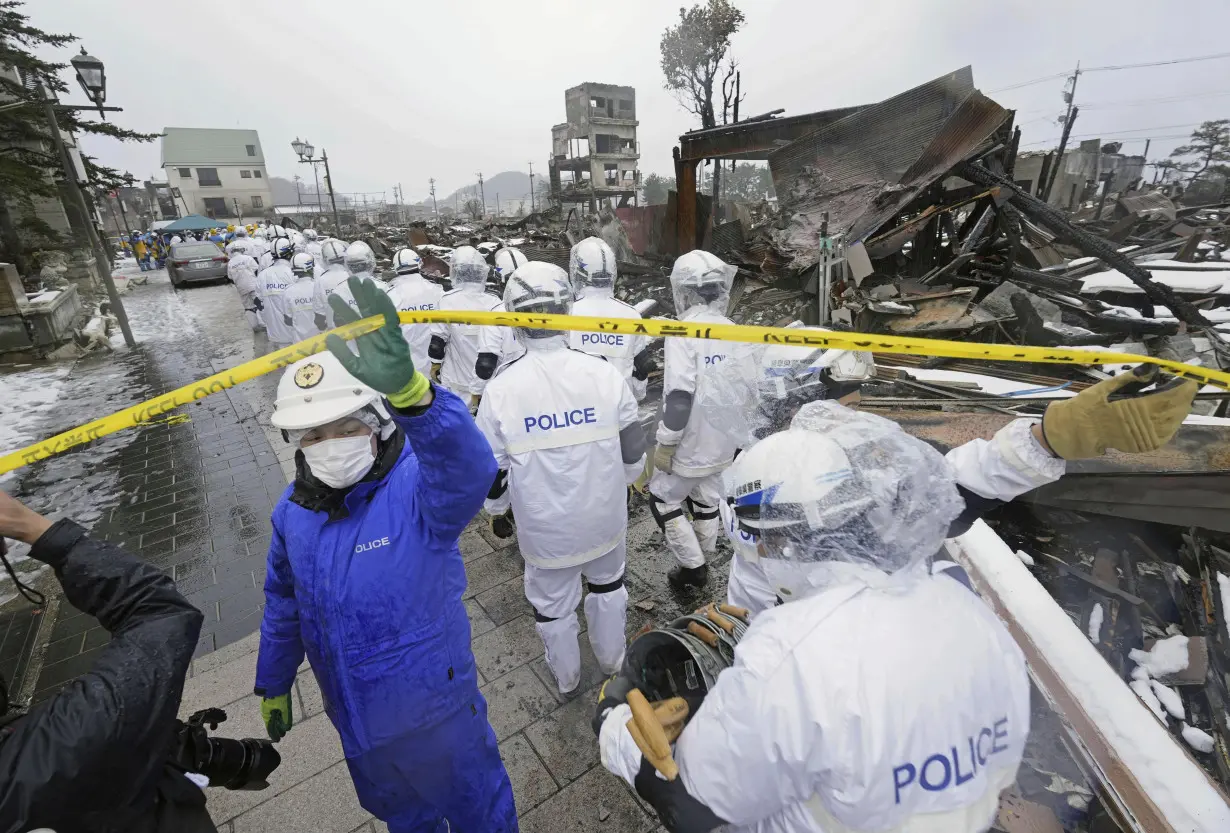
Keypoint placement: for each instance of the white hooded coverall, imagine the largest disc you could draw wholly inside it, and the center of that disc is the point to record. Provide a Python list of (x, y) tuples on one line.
[(617, 348), (463, 342), (878, 704), (299, 301), (411, 293), (553, 419), (1002, 468), (273, 283), (704, 450), (241, 269), (335, 275)]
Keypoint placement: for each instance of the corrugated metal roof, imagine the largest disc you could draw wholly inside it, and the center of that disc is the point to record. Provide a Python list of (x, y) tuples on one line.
[(867, 167), (1154, 202), (188, 146)]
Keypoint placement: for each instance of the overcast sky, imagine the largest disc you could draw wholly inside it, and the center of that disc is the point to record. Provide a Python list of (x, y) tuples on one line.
[(398, 92)]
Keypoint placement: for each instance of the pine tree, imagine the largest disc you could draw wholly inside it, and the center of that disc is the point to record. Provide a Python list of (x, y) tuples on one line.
[(29, 166)]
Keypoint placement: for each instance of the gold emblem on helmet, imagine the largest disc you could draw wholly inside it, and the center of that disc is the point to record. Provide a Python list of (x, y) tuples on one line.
[(309, 375)]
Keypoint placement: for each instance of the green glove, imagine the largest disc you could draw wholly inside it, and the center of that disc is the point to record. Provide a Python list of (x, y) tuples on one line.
[(1113, 414), (664, 458), (384, 362), (276, 712)]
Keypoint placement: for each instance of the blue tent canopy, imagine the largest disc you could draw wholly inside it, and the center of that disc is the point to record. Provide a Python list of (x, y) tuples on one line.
[(193, 222)]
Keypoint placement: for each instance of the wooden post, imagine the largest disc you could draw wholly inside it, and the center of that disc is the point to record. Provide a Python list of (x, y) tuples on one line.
[(685, 186)]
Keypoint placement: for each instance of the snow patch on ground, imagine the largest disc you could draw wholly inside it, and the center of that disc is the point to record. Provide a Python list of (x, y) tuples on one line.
[(1140, 673), (1026, 558), (1095, 621), (29, 392), (1172, 780), (1197, 739), (1170, 700), (1168, 656), (1145, 692)]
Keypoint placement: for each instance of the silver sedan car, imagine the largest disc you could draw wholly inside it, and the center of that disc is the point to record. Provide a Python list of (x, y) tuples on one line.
[(193, 261)]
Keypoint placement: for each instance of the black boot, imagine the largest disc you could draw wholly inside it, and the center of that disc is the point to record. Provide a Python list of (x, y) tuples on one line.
[(685, 578)]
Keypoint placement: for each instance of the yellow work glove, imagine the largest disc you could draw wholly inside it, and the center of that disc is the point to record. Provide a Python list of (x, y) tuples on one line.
[(641, 484), (276, 712), (664, 457), (1114, 414)]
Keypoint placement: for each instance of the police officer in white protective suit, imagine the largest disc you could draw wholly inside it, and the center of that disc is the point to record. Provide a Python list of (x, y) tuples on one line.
[(272, 283), (468, 354), (880, 695), (299, 297), (591, 265), (360, 262), (563, 426), (508, 260), (695, 443), (333, 254), (313, 248), (241, 269), (239, 241), (411, 292)]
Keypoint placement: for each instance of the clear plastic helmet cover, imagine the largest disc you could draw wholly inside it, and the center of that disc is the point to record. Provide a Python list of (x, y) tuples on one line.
[(310, 233), (241, 232), (333, 252), (842, 495), (240, 246), (539, 288), (468, 269), (591, 265), (360, 259), (793, 375), (280, 231), (283, 249), (701, 279), (507, 261), (262, 233), (302, 264)]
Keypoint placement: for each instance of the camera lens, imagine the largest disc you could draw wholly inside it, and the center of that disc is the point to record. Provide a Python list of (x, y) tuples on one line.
[(239, 764)]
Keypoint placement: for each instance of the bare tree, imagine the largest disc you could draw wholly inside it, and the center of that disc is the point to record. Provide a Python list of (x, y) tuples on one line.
[(473, 208), (1210, 144), (694, 55)]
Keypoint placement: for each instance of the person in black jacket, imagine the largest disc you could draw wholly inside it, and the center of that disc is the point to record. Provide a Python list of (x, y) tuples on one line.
[(95, 756)]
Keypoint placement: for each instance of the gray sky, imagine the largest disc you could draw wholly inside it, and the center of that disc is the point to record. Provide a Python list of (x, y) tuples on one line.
[(403, 91)]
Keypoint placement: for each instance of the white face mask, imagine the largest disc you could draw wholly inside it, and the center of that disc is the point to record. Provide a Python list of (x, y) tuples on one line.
[(341, 462)]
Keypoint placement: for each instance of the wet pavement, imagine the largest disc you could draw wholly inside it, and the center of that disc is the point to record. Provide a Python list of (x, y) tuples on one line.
[(192, 494)]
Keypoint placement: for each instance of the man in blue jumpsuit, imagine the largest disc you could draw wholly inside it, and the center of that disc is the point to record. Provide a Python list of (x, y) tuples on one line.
[(364, 575)]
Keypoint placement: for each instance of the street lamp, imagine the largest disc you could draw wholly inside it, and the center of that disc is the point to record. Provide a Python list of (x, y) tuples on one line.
[(92, 78), (306, 152)]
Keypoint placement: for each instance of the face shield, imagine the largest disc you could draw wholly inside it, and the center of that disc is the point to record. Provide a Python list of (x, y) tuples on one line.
[(468, 269), (538, 289), (333, 252), (592, 267), (842, 496), (701, 280)]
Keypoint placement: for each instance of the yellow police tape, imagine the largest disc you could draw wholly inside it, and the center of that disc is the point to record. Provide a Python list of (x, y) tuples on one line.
[(154, 408)]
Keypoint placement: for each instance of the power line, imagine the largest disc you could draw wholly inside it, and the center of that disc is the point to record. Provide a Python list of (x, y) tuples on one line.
[(1114, 68), (1158, 100)]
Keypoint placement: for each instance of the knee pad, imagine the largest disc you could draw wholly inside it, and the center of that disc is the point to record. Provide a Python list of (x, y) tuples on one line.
[(662, 517), (702, 511)]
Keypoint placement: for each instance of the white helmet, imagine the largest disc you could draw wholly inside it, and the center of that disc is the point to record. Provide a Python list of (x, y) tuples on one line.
[(262, 234), (333, 252), (468, 269), (507, 261), (592, 265), (299, 240), (700, 278), (283, 249), (360, 259), (538, 288), (241, 232), (302, 264), (280, 231), (407, 262), (310, 234), (841, 488), (240, 246), (316, 391)]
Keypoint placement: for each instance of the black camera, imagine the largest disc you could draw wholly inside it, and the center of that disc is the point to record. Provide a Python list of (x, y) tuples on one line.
[(235, 764)]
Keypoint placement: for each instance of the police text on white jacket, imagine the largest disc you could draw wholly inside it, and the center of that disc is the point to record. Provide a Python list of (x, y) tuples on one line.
[(273, 282), (411, 293)]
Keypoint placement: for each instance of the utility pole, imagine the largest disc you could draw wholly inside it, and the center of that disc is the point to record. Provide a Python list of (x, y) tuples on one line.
[(497, 203), (434, 207), (74, 189), (337, 224), (532, 209), (1068, 119), (484, 193)]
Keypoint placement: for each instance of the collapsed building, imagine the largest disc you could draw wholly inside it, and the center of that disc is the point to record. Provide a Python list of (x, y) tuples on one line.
[(594, 153)]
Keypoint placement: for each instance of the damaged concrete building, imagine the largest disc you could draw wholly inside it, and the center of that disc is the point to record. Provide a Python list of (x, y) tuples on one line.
[(594, 153)]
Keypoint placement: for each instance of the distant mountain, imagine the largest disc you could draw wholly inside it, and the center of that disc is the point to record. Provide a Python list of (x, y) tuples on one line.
[(510, 185)]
